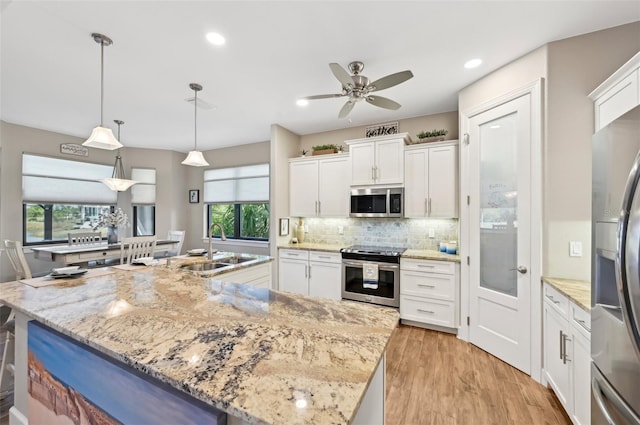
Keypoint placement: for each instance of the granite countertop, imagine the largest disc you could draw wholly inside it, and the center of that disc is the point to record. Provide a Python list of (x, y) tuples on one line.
[(249, 351), (579, 291), (313, 246), (430, 254)]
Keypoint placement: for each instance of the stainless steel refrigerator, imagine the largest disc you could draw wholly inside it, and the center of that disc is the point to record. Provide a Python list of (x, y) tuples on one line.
[(615, 274)]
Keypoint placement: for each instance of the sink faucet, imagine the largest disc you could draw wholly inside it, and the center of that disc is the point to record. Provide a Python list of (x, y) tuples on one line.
[(222, 237)]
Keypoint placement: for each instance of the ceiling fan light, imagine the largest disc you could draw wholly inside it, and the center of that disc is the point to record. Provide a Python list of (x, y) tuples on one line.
[(102, 138), (195, 159), (118, 185)]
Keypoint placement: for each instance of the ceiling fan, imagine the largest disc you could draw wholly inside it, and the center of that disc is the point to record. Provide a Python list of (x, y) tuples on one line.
[(357, 87)]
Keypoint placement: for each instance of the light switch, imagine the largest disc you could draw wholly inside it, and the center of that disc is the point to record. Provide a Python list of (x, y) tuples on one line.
[(340, 230), (575, 249), (432, 233)]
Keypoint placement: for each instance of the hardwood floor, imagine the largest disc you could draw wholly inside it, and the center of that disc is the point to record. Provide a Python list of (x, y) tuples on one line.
[(434, 378)]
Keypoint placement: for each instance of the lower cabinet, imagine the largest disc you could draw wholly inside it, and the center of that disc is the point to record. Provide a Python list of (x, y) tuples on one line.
[(259, 275), (314, 273), (567, 354), (429, 292)]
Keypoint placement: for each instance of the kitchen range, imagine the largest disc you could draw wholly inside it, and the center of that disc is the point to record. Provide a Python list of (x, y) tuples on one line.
[(371, 274)]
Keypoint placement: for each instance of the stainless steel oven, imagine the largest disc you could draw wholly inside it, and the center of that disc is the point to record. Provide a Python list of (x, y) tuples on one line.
[(371, 274)]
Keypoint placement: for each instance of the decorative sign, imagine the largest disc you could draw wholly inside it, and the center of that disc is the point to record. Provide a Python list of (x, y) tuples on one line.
[(381, 129), (73, 149)]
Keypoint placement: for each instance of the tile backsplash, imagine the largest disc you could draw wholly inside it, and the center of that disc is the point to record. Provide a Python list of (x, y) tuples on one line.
[(395, 233)]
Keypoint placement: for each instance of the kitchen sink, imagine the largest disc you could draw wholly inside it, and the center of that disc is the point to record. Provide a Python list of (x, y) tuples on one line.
[(203, 267), (236, 259)]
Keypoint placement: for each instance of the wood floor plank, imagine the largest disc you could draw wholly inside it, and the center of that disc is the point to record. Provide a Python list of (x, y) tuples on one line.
[(435, 378)]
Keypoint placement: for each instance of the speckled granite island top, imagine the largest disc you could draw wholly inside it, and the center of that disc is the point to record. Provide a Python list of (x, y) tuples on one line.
[(251, 352), (579, 291)]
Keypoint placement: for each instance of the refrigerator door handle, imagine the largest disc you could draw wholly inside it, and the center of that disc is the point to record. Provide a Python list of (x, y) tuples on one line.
[(600, 393), (628, 235)]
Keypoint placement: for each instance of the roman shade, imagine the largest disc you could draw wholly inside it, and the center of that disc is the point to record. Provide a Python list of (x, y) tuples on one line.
[(144, 192), (62, 181), (249, 183)]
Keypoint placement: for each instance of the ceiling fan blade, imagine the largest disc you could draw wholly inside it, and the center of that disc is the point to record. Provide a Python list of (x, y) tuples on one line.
[(344, 112), (323, 96), (391, 80), (383, 102), (341, 74)]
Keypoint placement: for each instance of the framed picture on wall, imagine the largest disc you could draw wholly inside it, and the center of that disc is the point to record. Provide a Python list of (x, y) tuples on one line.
[(194, 196), (284, 226)]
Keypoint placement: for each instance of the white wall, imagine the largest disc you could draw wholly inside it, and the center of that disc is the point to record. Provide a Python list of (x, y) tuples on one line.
[(576, 66), (284, 145)]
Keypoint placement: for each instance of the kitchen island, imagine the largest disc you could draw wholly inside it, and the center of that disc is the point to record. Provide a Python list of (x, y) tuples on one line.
[(259, 355)]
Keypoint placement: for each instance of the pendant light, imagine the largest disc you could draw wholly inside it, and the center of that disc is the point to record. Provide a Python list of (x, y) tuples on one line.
[(118, 181), (195, 158), (102, 137)]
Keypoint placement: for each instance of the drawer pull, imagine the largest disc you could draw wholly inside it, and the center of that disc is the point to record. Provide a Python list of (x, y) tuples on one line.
[(324, 256), (553, 300), (582, 323), (426, 286), (425, 265), (426, 311)]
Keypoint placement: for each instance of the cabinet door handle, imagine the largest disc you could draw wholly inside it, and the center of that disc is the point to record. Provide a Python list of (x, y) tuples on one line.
[(425, 311), (373, 174), (309, 272), (376, 172), (429, 206), (561, 346), (426, 206), (319, 208), (305, 272), (565, 358), (426, 286)]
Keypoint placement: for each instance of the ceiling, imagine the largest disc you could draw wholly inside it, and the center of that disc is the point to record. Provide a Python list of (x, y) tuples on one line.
[(275, 53)]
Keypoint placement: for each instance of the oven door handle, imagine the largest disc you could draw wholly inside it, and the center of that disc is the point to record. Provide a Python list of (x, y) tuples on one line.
[(381, 266)]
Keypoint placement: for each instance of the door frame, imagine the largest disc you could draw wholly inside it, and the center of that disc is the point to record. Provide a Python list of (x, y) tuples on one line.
[(535, 90)]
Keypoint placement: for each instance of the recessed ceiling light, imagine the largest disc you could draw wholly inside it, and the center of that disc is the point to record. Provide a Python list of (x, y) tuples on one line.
[(473, 63), (216, 39), (302, 102)]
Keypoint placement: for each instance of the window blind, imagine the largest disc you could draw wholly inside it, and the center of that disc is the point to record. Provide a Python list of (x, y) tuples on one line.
[(62, 181), (144, 192), (249, 183)]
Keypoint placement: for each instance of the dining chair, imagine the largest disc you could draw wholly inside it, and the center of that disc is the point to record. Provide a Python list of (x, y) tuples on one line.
[(17, 259), (84, 238), (176, 235), (137, 247)]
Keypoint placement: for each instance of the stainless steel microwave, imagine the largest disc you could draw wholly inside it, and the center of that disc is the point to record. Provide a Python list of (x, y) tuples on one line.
[(377, 202)]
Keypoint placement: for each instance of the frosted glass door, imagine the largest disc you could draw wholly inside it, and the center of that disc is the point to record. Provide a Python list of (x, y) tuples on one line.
[(498, 212)]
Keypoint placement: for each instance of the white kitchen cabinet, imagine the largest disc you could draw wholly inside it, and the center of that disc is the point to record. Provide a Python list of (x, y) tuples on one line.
[(431, 180), (567, 354), (313, 273), (325, 275), (319, 187), (429, 292), (258, 275), (617, 94), (377, 160)]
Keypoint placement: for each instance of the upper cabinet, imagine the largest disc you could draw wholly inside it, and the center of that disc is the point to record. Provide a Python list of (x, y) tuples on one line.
[(431, 180), (319, 187), (617, 94), (377, 160)]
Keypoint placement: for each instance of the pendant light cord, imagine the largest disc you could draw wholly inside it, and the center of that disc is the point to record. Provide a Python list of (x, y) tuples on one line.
[(102, 84), (195, 114)]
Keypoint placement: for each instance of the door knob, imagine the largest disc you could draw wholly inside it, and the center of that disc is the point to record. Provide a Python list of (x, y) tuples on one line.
[(522, 269)]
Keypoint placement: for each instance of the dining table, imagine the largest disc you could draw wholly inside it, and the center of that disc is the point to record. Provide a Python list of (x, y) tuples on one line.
[(84, 253)]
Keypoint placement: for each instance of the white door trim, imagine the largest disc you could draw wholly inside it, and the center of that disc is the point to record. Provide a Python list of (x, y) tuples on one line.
[(535, 89)]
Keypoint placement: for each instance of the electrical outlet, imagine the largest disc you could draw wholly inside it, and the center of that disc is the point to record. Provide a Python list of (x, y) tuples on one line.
[(432, 233), (341, 230), (575, 249), (306, 228)]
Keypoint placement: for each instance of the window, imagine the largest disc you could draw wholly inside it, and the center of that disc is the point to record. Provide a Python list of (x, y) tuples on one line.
[(143, 199), (60, 196), (52, 222), (238, 199)]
